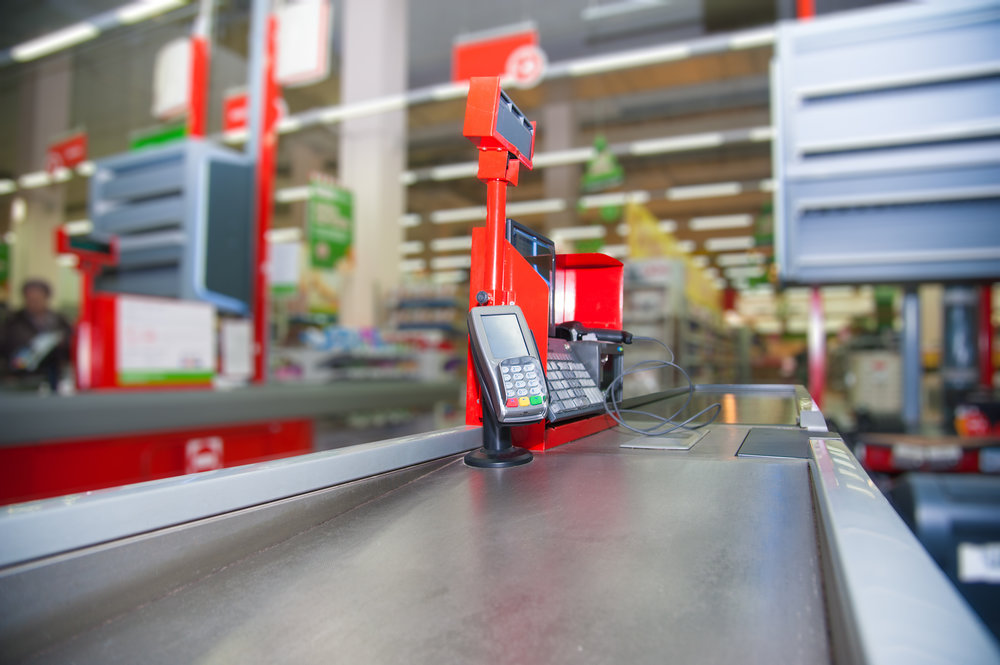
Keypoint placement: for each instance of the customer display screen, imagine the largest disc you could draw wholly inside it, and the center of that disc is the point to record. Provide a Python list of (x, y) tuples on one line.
[(504, 336)]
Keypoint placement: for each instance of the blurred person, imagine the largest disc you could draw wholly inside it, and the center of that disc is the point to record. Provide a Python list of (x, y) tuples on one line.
[(34, 340)]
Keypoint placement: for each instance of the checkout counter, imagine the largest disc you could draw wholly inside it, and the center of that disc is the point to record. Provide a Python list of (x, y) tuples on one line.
[(757, 538), (764, 542)]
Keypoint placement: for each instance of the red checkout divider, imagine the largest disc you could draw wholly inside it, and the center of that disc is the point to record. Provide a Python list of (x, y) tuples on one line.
[(46, 469)]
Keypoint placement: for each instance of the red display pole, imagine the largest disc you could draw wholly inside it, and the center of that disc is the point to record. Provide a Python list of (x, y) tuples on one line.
[(267, 147), (496, 220), (986, 335), (198, 90)]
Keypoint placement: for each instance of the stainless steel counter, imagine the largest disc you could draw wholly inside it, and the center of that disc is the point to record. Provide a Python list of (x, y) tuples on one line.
[(590, 554)]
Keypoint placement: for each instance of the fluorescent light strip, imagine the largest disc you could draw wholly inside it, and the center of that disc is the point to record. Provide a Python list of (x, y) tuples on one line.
[(450, 262), (54, 41), (614, 198), (408, 178), (539, 207), (738, 259), (762, 134), (687, 246), (285, 234), (729, 244), (410, 220), (454, 171), (766, 185), (360, 109), (78, 227), (61, 174), (447, 91), (34, 179), (290, 194), (412, 265), (720, 222), (463, 243), (563, 157), (752, 38), (411, 247), (236, 136), (637, 58), (85, 168), (453, 215), (617, 251), (704, 191), (701, 261), (289, 124), (145, 9), (450, 277), (676, 143), (744, 272), (7, 186), (579, 232), (667, 225)]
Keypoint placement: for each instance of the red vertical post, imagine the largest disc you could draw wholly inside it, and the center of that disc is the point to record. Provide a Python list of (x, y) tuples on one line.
[(267, 151), (986, 335), (496, 221), (806, 9), (817, 347), (198, 87)]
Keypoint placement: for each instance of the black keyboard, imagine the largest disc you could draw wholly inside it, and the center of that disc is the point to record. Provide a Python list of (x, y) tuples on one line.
[(572, 390)]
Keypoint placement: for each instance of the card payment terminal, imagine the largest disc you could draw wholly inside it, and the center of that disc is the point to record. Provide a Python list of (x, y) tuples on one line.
[(511, 380), (508, 364)]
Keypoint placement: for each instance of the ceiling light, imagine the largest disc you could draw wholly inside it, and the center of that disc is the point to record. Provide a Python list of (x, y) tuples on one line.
[(412, 265), (676, 143), (579, 232), (730, 243), (563, 157), (617, 251), (687, 246), (766, 185), (667, 225), (411, 247), (744, 272), (34, 179), (473, 213), (144, 9), (704, 191), (454, 171), (446, 262), (284, 234), (720, 222), (701, 261), (7, 186), (290, 194), (539, 207), (451, 244), (752, 38), (738, 259), (410, 220), (54, 41), (637, 58), (78, 227), (614, 199), (761, 134)]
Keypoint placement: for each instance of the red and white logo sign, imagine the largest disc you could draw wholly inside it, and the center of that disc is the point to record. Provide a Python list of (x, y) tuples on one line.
[(526, 65), (203, 454), (493, 54), (67, 153), (234, 111)]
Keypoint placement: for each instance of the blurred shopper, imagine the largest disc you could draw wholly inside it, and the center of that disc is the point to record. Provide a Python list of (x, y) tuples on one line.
[(35, 341)]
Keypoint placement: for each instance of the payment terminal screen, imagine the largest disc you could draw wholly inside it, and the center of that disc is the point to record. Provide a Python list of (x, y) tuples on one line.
[(504, 335)]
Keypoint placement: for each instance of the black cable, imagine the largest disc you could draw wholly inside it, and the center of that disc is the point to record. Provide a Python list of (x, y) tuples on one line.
[(666, 425)]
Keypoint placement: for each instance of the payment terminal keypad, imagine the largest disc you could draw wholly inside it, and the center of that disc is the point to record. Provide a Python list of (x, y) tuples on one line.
[(523, 382)]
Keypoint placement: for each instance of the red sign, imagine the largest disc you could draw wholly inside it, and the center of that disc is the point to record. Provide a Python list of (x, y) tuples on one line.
[(66, 153), (203, 454), (526, 65), (234, 111), (488, 56)]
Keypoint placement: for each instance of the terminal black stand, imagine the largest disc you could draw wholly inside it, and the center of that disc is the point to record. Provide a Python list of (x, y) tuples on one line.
[(497, 451)]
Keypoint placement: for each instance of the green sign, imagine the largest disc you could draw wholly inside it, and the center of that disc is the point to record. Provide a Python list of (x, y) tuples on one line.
[(4, 266), (157, 136), (329, 223), (603, 172)]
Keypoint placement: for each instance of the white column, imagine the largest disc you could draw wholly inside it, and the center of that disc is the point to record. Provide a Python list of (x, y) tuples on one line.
[(43, 115), (373, 150)]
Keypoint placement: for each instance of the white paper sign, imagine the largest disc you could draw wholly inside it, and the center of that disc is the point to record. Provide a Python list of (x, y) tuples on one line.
[(304, 29), (164, 341), (979, 562), (237, 346)]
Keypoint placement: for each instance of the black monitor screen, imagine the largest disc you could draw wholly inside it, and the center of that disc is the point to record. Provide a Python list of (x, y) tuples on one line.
[(540, 252)]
